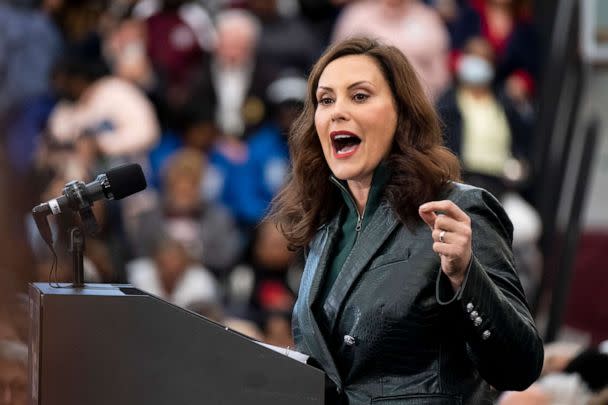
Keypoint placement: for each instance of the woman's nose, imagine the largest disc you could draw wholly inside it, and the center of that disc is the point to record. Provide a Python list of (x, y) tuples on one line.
[(340, 111)]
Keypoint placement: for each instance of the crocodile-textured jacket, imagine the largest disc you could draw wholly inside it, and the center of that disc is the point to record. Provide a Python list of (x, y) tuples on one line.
[(398, 334)]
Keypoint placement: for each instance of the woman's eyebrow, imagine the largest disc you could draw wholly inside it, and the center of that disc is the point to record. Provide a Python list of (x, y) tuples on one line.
[(355, 84), (360, 82)]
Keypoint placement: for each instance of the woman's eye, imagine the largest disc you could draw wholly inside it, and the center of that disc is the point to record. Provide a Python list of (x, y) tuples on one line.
[(325, 101), (360, 97)]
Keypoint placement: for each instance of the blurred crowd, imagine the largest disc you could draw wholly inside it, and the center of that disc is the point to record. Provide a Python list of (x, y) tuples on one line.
[(201, 94)]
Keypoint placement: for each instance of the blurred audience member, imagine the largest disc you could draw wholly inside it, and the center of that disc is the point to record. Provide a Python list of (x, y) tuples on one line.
[(277, 329), (285, 41), (196, 130), (600, 398), (493, 143), (270, 259), (322, 15), (25, 129), (508, 27), (413, 27), (78, 20), (193, 13), (268, 152), (174, 47), (13, 373), (171, 274), (7, 329), (558, 355), (481, 128), (124, 49), (592, 366), (108, 120), (458, 16), (205, 229), (553, 389), (253, 183), (239, 78), (532, 396), (240, 81), (29, 45)]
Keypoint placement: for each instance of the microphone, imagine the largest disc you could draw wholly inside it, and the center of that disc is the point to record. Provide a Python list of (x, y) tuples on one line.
[(119, 182)]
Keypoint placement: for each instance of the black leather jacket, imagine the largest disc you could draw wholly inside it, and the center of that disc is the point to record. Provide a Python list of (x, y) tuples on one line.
[(398, 333)]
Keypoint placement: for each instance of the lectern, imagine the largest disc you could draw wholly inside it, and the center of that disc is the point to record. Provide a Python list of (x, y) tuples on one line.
[(116, 345)]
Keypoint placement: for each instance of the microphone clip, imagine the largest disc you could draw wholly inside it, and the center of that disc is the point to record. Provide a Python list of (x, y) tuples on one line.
[(76, 194)]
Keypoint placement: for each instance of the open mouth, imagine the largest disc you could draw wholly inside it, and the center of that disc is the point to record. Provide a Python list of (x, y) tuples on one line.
[(344, 143)]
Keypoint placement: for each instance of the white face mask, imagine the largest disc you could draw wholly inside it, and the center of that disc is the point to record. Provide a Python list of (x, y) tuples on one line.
[(474, 70)]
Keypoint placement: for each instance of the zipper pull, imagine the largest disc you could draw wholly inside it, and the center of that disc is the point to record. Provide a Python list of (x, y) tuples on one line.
[(359, 223)]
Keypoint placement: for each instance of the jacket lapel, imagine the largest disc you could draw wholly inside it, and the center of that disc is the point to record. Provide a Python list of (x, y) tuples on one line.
[(381, 225), (323, 245), (314, 271)]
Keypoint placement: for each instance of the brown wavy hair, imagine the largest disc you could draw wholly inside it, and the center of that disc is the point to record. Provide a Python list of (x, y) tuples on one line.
[(419, 164)]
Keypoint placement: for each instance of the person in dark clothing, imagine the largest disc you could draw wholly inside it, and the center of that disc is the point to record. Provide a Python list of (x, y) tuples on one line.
[(409, 293)]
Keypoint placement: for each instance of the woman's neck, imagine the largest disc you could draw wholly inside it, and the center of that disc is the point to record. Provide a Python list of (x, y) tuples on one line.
[(360, 192)]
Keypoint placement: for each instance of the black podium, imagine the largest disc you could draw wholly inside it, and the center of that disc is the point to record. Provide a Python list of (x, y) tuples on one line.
[(116, 345)]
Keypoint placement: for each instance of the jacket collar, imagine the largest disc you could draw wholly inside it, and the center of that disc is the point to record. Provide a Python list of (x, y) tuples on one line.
[(380, 226), (378, 223), (379, 181)]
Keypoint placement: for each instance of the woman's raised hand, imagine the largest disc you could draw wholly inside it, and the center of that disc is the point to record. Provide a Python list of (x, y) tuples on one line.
[(451, 232)]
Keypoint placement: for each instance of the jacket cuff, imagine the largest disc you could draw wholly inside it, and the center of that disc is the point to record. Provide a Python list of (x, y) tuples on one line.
[(475, 308), (444, 293)]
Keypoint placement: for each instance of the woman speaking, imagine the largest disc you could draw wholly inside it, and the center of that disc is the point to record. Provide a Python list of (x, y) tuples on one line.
[(409, 293)]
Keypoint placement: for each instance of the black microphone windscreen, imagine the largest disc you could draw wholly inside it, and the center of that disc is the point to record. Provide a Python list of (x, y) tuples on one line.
[(126, 180)]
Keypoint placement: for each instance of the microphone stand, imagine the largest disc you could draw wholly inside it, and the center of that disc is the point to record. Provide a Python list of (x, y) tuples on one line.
[(77, 242), (77, 249), (76, 192)]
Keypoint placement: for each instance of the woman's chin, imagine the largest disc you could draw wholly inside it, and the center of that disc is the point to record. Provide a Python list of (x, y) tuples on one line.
[(348, 174)]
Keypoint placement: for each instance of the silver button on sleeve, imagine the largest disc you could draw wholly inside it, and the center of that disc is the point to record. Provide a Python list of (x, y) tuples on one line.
[(349, 340), (477, 321), (486, 335)]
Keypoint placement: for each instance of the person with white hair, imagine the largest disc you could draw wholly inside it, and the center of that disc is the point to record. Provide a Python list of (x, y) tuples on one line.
[(238, 77)]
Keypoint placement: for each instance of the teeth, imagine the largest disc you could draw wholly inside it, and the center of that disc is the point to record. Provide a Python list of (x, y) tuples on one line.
[(342, 136)]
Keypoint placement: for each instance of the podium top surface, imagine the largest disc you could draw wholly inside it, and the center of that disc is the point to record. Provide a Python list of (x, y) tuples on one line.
[(88, 289)]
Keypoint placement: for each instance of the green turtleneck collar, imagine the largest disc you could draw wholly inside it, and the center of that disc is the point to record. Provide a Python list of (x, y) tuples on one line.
[(351, 224), (380, 178)]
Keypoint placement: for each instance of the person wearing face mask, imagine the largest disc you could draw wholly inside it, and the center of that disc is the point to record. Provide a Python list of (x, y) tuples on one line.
[(481, 127)]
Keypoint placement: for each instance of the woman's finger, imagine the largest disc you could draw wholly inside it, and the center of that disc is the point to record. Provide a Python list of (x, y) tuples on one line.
[(428, 217), (446, 207), (448, 250)]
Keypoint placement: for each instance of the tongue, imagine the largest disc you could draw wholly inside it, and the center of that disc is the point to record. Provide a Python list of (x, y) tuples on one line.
[(348, 148)]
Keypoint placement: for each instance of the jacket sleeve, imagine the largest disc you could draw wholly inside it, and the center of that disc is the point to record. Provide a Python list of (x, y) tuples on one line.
[(500, 335)]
